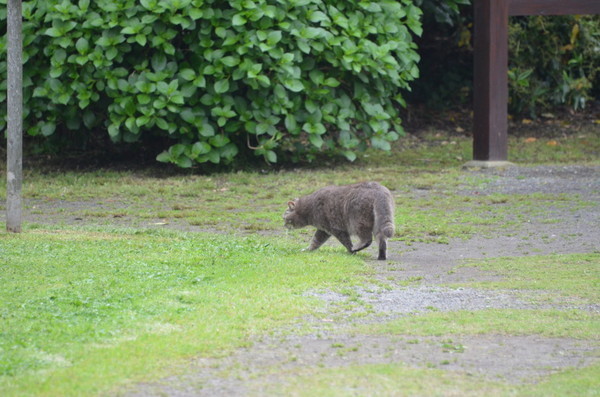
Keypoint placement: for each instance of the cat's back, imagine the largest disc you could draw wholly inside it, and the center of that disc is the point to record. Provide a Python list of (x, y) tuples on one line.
[(367, 190), (354, 198), (361, 189)]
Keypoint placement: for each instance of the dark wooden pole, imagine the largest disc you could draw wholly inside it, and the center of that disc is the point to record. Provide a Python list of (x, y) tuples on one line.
[(15, 116), (490, 91)]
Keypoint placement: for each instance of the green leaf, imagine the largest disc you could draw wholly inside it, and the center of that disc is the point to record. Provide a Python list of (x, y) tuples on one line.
[(303, 46), (54, 32), (144, 99), (228, 151), (184, 162), (350, 155), (48, 128), (177, 150), (195, 13), (314, 128), (230, 61), (113, 131), (82, 45), (222, 86), (84, 5), (316, 140), (159, 62), (59, 56), (142, 121), (162, 123), (238, 20), (213, 156), (317, 76), (293, 85), (200, 148), (164, 157), (188, 115), (271, 156), (290, 123), (331, 82), (177, 99), (274, 37), (206, 130), (311, 106), (219, 141), (380, 143), (141, 39), (318, 16), (200, 82)]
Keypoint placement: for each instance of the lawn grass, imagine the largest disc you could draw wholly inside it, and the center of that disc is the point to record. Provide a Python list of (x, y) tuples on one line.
[(386, 380), (550, 323), (575, 276), (400, 380), (84, 309)]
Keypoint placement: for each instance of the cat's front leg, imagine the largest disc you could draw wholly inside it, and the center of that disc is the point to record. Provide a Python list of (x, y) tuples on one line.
[(318, 240)]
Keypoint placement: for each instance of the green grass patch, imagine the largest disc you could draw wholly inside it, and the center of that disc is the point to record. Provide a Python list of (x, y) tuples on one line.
[(576, 382), (575, 275), (254, 201), (84, 310), (582, 148), (399, 380), (551, 323), (385, 380)]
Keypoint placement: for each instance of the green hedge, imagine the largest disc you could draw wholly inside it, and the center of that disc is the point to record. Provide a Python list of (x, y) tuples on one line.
[(291, 78), (553, 61)]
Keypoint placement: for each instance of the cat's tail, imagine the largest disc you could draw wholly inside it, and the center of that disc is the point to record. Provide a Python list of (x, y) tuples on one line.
[(384, 216)]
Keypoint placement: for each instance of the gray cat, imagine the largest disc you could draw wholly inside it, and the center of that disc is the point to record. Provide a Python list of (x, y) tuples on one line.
[(364, 209)]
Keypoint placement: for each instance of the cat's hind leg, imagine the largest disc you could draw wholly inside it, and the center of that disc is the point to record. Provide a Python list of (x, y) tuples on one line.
[(318, 240), (382, 241), (366, 238), (344, 238)]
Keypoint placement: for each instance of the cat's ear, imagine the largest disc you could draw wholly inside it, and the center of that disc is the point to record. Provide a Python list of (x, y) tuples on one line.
[(292, 205)]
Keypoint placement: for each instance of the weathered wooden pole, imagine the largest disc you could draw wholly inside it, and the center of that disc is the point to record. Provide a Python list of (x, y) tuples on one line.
[(14, 156), (490, 90)]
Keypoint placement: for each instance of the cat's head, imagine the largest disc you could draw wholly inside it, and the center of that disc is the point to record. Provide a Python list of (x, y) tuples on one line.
[(292, 218)]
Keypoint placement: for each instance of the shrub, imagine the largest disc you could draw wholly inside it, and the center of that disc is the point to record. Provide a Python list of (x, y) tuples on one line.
[(272, 77), (553, 61)]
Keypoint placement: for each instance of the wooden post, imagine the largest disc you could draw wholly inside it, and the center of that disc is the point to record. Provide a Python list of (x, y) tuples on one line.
[(15, 116), (490, 90)]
